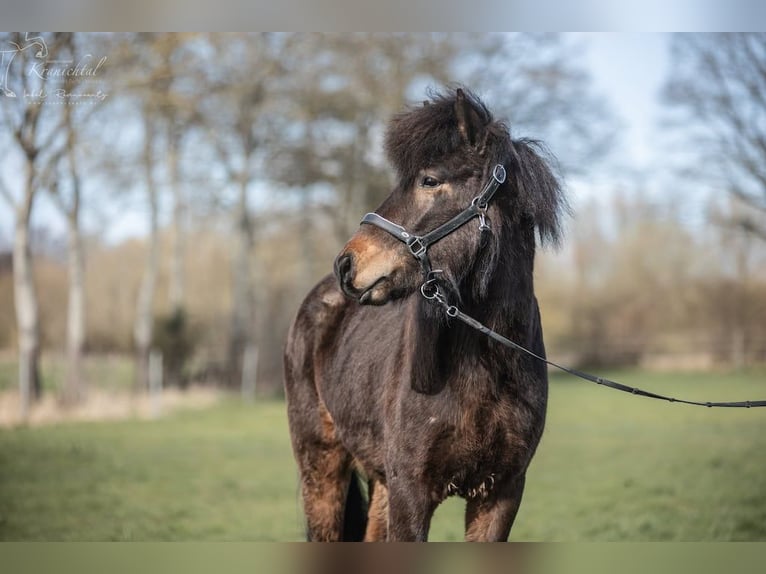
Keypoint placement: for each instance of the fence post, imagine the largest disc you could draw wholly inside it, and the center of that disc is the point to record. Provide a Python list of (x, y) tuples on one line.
[(249, 372), (155, 383)]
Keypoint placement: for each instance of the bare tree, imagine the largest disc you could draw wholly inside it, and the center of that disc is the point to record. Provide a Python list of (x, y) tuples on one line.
[(177, 288), (534, 81), (237, 122), (70, 206), (73, 389), (148, 76), (144, 321), (34, 129), (154, 65), (336, 127), (537, 83), (66, 189), (176, 108), (718, 83)]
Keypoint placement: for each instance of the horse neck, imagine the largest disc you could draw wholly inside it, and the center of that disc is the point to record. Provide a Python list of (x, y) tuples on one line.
[(501, 297), (501, 300)]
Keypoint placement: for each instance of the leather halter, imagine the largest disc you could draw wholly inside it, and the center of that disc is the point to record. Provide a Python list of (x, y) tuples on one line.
[(418, 244)]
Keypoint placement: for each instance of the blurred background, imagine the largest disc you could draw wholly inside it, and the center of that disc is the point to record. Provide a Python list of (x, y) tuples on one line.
[(166, 201)]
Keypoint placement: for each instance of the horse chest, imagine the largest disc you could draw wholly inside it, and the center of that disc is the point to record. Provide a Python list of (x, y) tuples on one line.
[(470, 452)]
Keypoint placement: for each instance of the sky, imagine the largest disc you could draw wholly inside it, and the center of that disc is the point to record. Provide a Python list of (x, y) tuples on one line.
[(630, 70), (627, 69)]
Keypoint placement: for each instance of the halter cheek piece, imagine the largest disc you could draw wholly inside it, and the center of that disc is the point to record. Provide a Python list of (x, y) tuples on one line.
[(418, 244)]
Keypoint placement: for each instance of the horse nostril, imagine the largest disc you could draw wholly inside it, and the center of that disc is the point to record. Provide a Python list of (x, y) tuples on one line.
[(344, 269)]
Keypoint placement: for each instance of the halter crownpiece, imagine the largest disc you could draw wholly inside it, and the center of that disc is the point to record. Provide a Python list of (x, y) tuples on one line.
[(418, 244)]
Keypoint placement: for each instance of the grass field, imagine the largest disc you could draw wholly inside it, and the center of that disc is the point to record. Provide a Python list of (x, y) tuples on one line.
[(610, 467), (109, 372)]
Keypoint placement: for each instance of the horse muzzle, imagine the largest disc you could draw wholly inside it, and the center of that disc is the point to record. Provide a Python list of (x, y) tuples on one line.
[(366, 272), (375, 293)]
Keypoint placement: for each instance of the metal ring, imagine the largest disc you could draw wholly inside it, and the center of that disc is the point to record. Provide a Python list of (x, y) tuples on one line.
[(434, 288), (452, 311)]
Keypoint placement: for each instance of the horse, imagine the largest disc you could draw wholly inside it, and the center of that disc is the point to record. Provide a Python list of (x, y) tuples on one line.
[(385, 392)]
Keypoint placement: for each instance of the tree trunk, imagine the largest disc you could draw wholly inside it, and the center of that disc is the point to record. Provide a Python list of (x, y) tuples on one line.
[(144, 323), (143, 328), (742, 311), (177, 275), (27, 314), (242, 312), (74, 390), (355, 194)]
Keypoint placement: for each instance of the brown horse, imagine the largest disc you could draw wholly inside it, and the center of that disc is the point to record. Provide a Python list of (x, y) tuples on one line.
[(381, 384)]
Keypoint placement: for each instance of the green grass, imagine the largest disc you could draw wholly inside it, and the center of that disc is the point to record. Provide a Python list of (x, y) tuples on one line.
[(610, 467), (109, 372), (222, 473)]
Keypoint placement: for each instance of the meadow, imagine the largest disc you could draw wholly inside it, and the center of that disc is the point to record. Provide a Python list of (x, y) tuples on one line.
[(610, 467)]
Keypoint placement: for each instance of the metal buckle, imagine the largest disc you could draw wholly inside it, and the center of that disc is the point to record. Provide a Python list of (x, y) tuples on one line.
[(482, 208), (430, 288), (483, 225), (499, 173), (429, 291), (416, 247)]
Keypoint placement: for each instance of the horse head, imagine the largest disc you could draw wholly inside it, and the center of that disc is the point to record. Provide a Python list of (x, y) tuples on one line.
[(444, 153), (440, 153)]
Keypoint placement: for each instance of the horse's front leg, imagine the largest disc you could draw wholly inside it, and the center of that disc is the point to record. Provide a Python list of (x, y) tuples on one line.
[(490, 519), (377, 514), (410, 508)]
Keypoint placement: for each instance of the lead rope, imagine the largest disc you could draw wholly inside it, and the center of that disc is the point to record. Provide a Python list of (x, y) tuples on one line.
[(430, 291)]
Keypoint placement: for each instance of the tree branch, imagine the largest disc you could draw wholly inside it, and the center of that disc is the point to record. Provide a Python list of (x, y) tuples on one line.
[(723, 91)]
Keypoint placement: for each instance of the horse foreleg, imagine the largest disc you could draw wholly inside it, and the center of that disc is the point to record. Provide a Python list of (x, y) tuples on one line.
[(377, 516), (490, 520), (325, 477), (325, 468), (410, 508)]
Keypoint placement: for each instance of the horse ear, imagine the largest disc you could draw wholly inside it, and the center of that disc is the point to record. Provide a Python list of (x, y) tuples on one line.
[(469, 122)]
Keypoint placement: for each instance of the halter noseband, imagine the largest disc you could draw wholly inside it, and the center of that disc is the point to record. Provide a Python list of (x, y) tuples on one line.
[(418, 244)]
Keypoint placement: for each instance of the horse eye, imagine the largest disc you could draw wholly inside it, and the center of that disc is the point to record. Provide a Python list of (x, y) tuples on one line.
[(429, 181)]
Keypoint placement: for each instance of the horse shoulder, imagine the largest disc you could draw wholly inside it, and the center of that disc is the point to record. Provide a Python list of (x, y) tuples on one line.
[(316, 320)]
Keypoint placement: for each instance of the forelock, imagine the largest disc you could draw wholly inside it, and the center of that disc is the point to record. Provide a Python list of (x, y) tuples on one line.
[(427, 134)]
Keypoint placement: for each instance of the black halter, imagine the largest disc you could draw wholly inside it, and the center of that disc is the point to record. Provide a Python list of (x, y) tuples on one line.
[(419, 244)]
